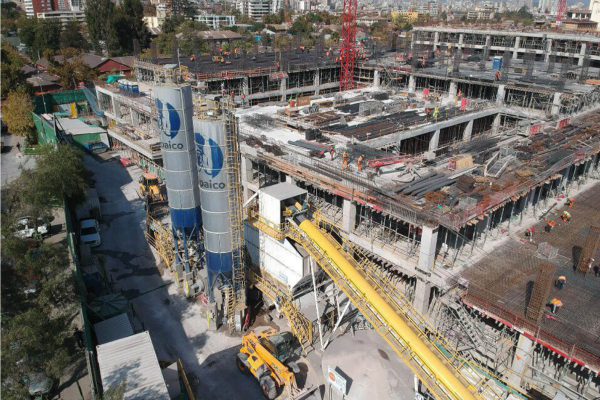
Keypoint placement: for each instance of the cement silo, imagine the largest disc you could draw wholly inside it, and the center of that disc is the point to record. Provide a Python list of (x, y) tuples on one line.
[(221, 206), (175, 111)]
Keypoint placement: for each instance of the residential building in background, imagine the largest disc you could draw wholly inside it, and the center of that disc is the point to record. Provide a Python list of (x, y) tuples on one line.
[(257, 9), (595, 11), (216, 21)]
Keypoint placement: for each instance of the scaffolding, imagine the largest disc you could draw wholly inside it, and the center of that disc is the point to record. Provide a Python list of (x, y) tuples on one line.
[(236, 299)]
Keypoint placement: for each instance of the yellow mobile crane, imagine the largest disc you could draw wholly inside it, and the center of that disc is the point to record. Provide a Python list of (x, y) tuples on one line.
[(264, 356)]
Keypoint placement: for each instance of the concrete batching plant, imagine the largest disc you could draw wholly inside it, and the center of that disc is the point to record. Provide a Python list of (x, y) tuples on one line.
[(175, 109)]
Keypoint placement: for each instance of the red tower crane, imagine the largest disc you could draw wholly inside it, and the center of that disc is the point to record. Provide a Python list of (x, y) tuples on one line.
[(348, 50), (561, 10)]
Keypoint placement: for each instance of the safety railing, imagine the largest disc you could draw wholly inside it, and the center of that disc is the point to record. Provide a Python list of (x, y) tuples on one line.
[(301, 327)]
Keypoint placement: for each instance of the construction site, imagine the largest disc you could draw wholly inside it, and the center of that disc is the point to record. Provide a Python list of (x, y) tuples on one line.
[(441, 194)]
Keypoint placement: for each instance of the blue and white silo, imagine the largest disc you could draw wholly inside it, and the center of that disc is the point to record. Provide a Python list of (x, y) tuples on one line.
[(210, 137), (175, 111)]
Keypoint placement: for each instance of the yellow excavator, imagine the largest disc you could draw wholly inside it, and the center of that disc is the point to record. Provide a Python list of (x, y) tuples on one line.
[(151, 188), (266, 356)]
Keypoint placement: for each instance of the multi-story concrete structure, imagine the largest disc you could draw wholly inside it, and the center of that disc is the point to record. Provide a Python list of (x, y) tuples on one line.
[(63, 16), (216, 21), (543, 46), (595, 11), (257, 9)]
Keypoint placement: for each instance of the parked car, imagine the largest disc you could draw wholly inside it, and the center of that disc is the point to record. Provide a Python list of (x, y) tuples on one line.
[(27, 227), (89, 232)]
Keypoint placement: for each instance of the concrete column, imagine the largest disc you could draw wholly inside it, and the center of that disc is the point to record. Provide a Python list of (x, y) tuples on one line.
[(434, 141), (422, 292), (290, 180), (496, 124), (348, 216), (412, 84), (548, 50), (376, 78), (436, 40), (461, 38), (283, 88), (317, 82), (516, 48), (556, 104), (468, 131), (245, 86), (501, 94), (581, 54), (521, 360), (452, 90), (488, 41), (428, 246)]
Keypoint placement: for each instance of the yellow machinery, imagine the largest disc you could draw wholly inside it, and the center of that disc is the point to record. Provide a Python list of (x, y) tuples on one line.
[(264, 355), (445, 375), (151, 188)]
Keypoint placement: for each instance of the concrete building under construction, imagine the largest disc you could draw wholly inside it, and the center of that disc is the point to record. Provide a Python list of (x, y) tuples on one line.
[(442, 183)]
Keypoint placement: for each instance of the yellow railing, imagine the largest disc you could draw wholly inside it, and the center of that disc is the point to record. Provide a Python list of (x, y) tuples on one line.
[(301, 327)]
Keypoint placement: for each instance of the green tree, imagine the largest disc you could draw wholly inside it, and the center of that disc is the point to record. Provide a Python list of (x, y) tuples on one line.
[(47, 35), (98, 16), (9, 13), (171, 23), (60, 174), (71, 69), (32, 342), (12, 76), (16, 113), (72, 36), (134, 9)]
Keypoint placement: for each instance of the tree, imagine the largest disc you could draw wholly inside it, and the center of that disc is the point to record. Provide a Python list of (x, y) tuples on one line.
[(70, 68), (10, 14), (98, 16), (12, 75), (40, 35), (16, 113), (171, 23), (135, 11), (72, 37), (60, 174)]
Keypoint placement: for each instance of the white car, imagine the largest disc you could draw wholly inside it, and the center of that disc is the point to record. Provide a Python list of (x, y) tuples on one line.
[(89, 232), (27, 227)]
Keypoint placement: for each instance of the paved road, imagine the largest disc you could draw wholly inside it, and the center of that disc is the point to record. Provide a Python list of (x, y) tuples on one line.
[(13, 160), (175, 324)]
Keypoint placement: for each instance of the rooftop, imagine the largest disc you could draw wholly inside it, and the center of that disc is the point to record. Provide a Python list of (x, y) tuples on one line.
[(132, 360)]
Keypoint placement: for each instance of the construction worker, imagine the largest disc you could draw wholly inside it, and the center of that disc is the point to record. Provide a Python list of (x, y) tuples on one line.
[(530, 232), (436, 113), (561, 282), (566, 216), (555, 305), (550, 225), (345, 160), (332, 152), (360, 162), (571, 202)]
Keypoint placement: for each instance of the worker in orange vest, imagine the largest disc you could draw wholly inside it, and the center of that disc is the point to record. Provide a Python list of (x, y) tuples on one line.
[(360, 162), (345, 160), (561, 282), (555, 305)]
